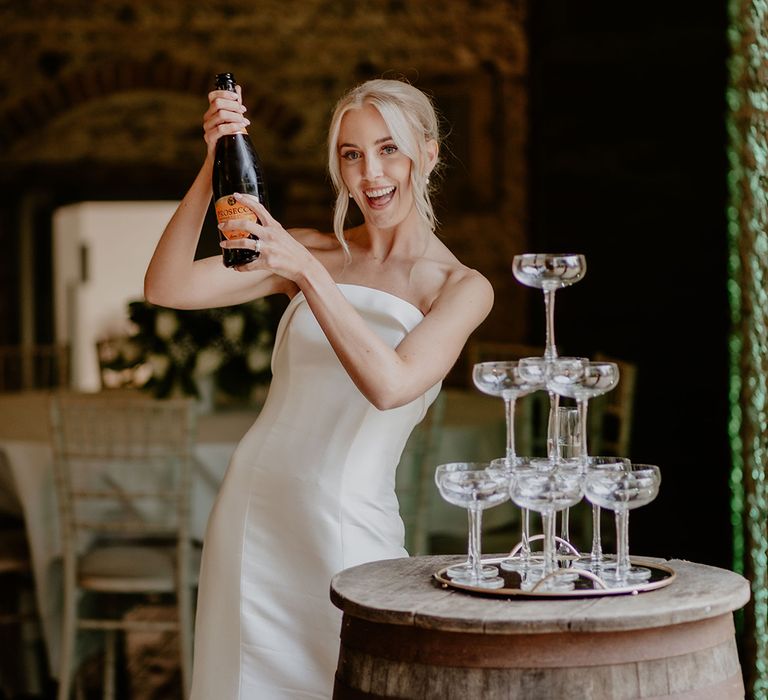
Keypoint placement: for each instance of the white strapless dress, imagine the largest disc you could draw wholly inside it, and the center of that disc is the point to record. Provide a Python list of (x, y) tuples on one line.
[(310, 491)]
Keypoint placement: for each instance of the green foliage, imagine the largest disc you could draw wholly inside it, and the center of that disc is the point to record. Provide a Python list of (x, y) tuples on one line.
[(170, 351)]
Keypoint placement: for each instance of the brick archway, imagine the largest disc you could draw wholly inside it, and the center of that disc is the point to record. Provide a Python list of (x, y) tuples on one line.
[(36, 109)]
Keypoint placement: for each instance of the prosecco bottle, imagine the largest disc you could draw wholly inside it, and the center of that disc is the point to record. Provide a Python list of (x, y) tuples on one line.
[(236, 168)]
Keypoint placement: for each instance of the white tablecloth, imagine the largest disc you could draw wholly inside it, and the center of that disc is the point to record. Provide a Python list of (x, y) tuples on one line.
[(473, 431)]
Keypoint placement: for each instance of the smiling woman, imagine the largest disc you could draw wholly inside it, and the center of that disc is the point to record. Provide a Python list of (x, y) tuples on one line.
[(377, 317), (392, 143)]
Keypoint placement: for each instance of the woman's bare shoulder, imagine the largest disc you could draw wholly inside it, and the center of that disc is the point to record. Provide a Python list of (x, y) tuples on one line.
[(450, 279), (470, 283)]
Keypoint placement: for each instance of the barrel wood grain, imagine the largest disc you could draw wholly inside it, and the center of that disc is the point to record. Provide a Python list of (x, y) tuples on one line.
[(405, 637)]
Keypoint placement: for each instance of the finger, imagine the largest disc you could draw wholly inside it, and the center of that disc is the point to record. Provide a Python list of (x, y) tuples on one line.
[(246, 223), (242, 244), (211, 122), (248, 267), (232, 110), (257, 207), (225, 95)]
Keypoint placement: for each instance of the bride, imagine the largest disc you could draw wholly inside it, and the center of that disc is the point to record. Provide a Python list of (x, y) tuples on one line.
[(377, 316)]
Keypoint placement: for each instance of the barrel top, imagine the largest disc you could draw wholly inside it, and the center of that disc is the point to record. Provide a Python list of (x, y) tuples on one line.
[(402, 592)]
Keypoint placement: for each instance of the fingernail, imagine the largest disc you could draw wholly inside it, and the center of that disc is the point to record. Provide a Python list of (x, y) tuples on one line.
[(221, 226), (247, 121)]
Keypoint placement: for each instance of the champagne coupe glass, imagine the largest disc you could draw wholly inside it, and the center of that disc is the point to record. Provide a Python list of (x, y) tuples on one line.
[(547, 493), (589, 464), (505, 380), (621, 491), (549, 272), (463, 570), (464, 484), (520, 558), (592, 379)]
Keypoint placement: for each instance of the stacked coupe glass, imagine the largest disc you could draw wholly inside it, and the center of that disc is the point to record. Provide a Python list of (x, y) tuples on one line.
[(553, 484)]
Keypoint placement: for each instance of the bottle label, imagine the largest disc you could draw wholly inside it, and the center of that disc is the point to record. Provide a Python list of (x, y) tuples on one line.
[(227, 209)]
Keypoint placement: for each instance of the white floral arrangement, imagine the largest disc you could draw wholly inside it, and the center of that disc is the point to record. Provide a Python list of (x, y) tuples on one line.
[(172, 352)]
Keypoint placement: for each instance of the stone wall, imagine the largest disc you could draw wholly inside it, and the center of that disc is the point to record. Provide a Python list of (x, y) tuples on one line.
[(90, 91)]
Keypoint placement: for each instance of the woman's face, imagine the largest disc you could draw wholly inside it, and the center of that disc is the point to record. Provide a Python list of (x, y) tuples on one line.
[(376, 173)]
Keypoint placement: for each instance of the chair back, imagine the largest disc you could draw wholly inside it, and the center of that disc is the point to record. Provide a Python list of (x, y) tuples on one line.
[(610, 415), (414, 477), (122, 467)]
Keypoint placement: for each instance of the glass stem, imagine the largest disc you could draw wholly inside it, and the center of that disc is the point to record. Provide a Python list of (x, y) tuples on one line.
[(553, 428), (550, 351), (476, 518), (525, 546), (597, 546), (469, 540), (509, 406), (622, 544), (581, 405), (565, 526), (548, 526)]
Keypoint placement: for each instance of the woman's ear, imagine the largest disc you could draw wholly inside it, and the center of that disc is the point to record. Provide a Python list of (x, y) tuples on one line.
[(433, 150)]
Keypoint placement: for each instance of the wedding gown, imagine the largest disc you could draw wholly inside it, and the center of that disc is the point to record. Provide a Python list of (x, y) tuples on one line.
[(310, 491)]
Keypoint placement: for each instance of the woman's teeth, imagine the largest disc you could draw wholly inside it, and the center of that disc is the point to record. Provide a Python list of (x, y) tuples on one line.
[(380, 196), (380, 192)]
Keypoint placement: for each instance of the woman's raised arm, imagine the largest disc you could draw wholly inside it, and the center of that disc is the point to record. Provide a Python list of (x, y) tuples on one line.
[(174, 278), (390, 378)]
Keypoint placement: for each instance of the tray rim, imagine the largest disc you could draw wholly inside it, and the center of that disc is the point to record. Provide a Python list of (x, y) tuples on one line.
[(634, 589)]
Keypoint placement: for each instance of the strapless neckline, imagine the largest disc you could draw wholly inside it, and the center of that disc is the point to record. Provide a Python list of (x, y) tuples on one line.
[(373, 290)]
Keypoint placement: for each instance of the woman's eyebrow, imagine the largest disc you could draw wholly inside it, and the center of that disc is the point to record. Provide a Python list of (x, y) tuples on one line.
[(376, 142)]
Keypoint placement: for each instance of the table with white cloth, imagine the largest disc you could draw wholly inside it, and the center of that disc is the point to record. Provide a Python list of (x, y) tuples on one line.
[(473, 429)]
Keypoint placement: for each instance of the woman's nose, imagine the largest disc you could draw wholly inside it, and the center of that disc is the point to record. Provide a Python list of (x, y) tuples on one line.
[(372, 167)]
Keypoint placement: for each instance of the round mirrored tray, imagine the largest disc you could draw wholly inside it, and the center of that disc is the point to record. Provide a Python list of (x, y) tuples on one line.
[(586, 585)]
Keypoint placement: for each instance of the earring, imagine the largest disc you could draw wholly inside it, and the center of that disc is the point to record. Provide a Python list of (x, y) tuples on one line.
[(350, 195)]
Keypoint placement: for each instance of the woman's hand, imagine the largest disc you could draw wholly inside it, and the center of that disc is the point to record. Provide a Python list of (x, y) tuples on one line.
[(279, 251), (225, 115)]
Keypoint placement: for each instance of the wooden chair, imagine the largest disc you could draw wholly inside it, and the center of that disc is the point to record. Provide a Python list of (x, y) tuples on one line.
[(22, 666), (610, 416), (414, 477), (122, 469)]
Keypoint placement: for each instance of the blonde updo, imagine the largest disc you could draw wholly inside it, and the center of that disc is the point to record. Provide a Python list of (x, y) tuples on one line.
[(412, 122)]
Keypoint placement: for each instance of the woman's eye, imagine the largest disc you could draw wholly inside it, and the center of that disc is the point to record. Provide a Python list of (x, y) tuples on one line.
[(350, 155), (388, 150)]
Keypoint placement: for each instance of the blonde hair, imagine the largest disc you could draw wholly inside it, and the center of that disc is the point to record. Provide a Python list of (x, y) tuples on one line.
[(412, 122)]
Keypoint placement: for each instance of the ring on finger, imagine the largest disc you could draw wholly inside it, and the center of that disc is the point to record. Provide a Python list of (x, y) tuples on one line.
[(258, 246)]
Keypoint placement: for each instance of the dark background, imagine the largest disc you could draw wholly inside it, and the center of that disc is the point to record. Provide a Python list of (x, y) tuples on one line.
[(628, 166)]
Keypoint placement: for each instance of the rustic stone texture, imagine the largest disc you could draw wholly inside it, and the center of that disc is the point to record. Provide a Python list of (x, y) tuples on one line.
[(115, 84)]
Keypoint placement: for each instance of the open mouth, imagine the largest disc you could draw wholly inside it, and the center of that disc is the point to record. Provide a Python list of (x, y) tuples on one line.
[(380, 197)]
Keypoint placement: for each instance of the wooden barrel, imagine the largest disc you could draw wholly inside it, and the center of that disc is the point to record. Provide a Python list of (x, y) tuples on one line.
[(405, 637)]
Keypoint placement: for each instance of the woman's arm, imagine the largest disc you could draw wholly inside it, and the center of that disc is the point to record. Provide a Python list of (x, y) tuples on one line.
[(390, 378), (174, 278), (387, 377)]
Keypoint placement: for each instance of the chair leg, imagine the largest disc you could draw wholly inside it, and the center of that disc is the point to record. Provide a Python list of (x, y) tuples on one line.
[(185, 637), (110, 643), (69, 631)]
